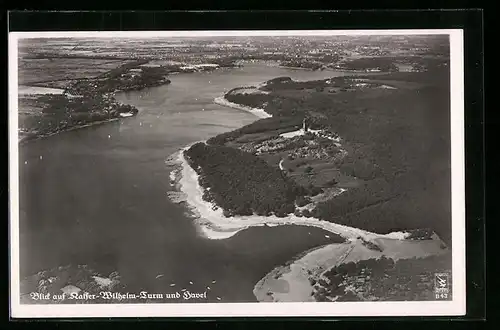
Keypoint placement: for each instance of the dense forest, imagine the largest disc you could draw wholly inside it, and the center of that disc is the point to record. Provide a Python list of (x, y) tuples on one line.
[(305, 64), (241, 183), (383, 279)]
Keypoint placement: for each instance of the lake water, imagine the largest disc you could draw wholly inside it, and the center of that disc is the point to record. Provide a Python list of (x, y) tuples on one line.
[(98, 195)]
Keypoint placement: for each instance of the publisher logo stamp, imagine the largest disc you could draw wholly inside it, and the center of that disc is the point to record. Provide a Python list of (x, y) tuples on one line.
[(441, 285)]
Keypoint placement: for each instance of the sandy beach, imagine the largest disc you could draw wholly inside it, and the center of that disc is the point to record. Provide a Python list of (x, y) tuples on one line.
[(213, 224)]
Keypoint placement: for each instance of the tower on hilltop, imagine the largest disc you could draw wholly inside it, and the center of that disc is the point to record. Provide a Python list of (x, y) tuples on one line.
[(305, 125)]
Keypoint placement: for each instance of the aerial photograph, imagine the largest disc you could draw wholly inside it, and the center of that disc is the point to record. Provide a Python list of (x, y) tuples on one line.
[(230, 169)]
